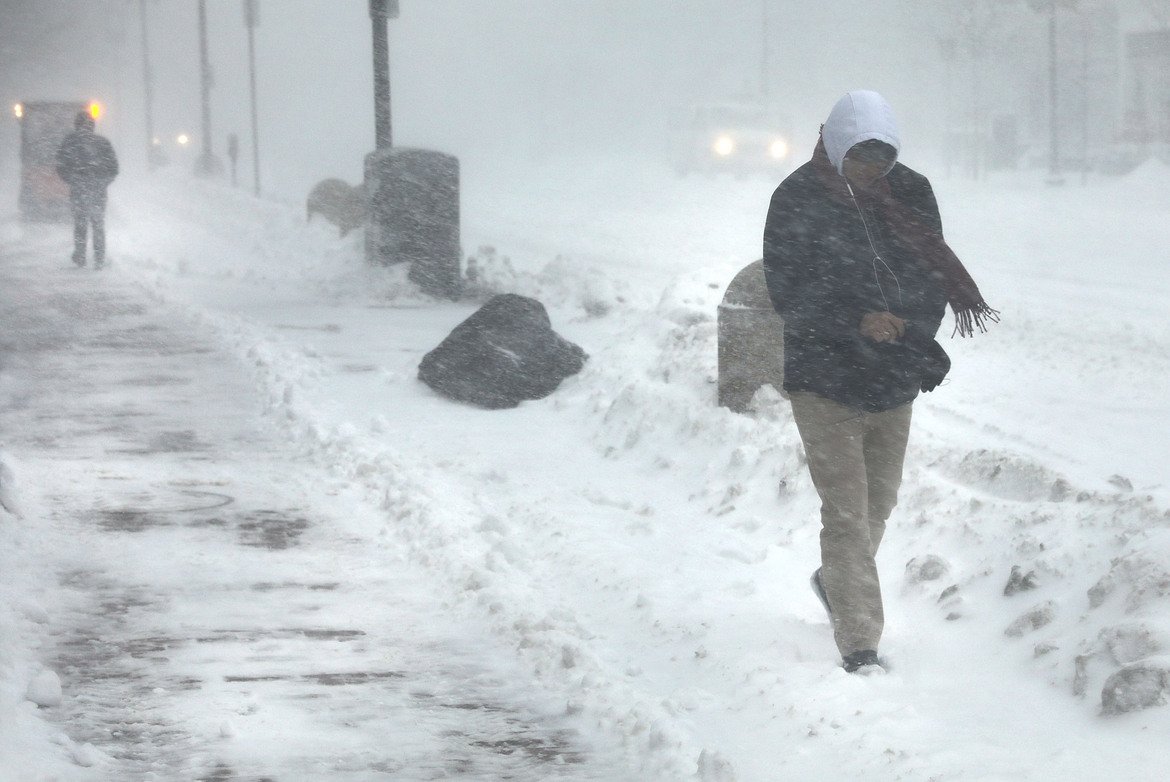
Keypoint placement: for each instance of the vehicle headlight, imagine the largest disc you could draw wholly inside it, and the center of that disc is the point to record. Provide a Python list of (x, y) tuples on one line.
[(778, 149), (18, 110), (723, 146)]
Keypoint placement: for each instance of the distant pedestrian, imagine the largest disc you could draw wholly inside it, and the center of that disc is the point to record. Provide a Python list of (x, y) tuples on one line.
[(857, 267), (87, 163)]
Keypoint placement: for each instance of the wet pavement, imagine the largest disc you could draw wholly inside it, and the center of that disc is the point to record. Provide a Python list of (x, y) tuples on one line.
[(220, 609)]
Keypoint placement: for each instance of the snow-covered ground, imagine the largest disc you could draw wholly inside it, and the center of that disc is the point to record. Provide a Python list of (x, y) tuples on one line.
[(641, 554)]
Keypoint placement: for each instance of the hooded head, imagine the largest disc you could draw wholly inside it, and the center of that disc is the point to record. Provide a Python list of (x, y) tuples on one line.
[(84, 122), (862, 115)]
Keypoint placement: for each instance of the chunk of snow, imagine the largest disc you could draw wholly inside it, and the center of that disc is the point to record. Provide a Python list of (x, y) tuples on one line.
[(1031, 620), (926, 568), (9, 494), (85, 755), (45, 689), (713, 767), (1141, 685)]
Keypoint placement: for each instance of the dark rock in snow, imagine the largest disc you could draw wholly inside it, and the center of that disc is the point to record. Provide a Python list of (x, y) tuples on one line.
[(1034, 619), (1018, 582), (339, 203), (713, 767), (927, 568), (1081, 675), (1140, 578), (1060, 490), (1130, 642), (502, 355), (951, 601), (1141, 685), (1121, 482)]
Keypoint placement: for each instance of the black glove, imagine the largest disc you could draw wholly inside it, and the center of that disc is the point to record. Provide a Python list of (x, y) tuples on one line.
[(935, 365)]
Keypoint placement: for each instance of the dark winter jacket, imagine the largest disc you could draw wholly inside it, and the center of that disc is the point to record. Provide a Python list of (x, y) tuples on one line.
[(822, 278), (87, 163)]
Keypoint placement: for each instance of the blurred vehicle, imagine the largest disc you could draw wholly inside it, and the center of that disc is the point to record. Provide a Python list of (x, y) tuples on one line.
[(43, 126), (736, 138)]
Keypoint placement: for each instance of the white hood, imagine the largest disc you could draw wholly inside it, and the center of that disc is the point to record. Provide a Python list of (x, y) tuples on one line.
[(859, 116)]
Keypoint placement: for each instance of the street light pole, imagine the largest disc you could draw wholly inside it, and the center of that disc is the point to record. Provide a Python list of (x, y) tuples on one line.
[(252, 21), (949, 48), (765, 65), (147, 90), (381, 11), (1054, 175), (1052, 6), (207, 165)]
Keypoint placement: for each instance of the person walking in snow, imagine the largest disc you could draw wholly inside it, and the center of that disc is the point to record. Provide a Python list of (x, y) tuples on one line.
[(857, 267), (87, 163)]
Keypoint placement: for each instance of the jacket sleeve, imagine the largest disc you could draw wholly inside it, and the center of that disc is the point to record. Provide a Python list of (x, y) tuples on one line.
[(925, 206), (108, 162), (810, 298)]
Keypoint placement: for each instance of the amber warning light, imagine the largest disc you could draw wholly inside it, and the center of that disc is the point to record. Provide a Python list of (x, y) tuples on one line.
[(95, 110)]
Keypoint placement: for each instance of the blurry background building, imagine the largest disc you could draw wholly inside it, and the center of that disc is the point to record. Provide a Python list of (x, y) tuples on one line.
[(1147, 89)]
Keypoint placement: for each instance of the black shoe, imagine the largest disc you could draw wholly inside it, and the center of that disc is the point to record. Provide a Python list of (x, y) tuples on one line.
[(79, 260), (865, 661), (818, 588)]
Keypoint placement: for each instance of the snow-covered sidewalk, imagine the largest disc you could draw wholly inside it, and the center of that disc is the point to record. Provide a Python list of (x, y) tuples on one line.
[(209, 601)]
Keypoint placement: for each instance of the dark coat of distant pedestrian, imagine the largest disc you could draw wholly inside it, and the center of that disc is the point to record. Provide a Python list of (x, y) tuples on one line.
[(87, 163)]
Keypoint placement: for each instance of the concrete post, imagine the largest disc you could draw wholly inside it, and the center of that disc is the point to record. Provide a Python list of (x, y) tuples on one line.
[(414, 216), (751, 340)]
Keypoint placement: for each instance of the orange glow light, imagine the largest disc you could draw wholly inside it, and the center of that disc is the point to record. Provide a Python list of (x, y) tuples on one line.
[(95, 111)]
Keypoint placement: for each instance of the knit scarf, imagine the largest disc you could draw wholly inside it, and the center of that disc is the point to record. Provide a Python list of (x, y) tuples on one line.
[(925, 244)]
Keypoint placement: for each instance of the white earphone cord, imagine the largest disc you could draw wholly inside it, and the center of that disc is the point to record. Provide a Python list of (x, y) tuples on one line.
[(876, 256)]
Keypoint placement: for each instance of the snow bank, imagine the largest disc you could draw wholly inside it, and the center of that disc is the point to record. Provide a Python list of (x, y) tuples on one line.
[(1148, 180), (26, 737)]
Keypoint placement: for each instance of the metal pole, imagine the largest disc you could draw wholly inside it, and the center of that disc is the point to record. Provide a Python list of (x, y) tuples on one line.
[(379, 17), (1084, 102), (948, 49), (147, 90), (251, 19), (976, 115), (765, 65), (1054, 175), (206, 166)]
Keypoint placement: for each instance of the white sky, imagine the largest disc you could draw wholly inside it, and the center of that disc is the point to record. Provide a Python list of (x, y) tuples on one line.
[(514, 80)]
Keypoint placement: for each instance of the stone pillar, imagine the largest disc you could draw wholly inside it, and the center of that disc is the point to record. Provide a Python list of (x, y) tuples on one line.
[(414, 216), (751, 340)]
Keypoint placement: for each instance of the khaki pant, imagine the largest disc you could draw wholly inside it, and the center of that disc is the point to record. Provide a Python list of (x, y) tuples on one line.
[(855, 459)]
